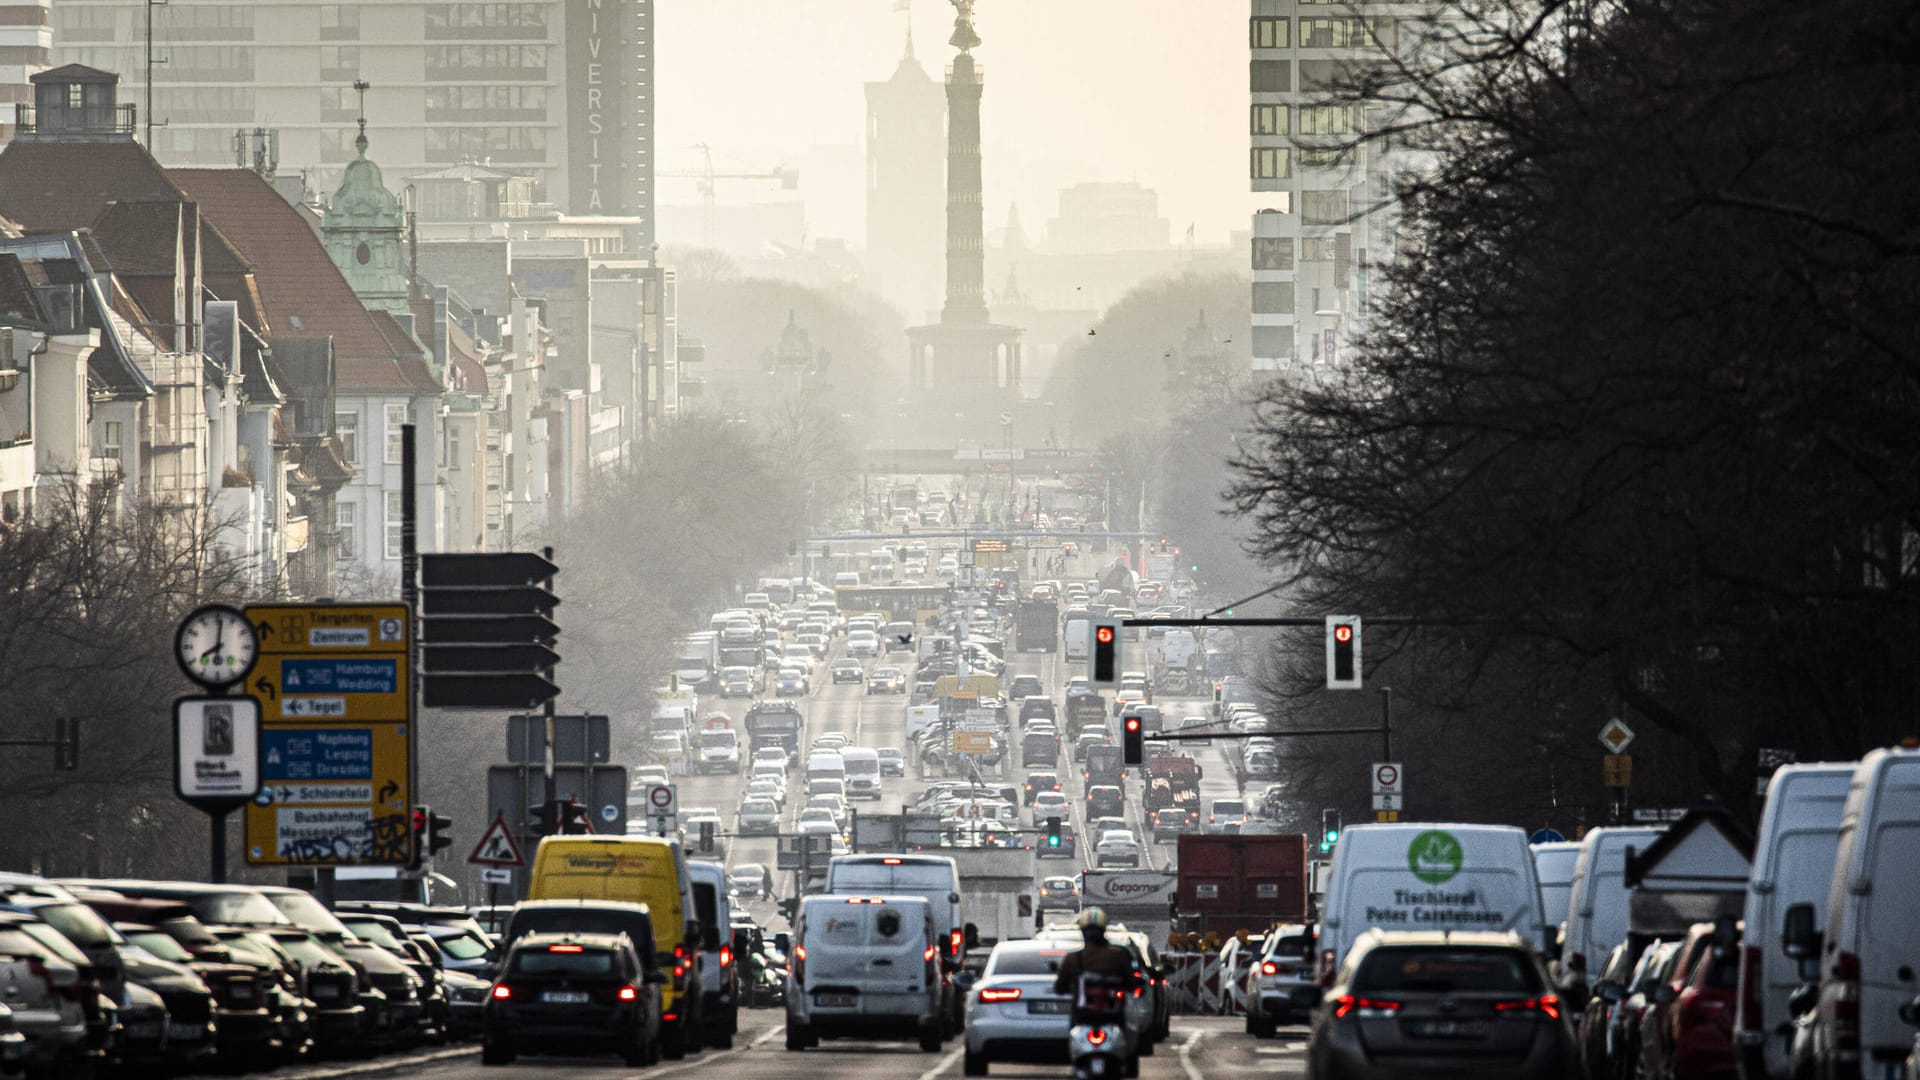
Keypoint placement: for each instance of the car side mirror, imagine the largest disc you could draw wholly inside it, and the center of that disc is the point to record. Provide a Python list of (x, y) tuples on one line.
[(1611, 991), (1798, 938), (1802, 1000), (1910, 1012), (1664, 994)]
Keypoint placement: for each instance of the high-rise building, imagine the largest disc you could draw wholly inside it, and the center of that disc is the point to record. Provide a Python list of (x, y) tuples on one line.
[(26, 49), (906, 185), (558, 90), (1312, 241)]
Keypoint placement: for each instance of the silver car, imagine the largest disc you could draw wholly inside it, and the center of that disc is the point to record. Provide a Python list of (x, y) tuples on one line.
[(1012, 1013), (1280, 985), (758, 817)]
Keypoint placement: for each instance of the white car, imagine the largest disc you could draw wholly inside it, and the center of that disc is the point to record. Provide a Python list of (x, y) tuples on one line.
[(770, 755), (1013, 1007), (949, 566), (1049, 804), (816, 819), (758, 816), (1117, 848), (863, 643)]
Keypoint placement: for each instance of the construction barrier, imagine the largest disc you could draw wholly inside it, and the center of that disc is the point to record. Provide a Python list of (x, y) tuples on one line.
[(1200, 986)]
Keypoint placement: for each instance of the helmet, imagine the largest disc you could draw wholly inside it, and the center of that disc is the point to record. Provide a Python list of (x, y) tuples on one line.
[(1092, 919)]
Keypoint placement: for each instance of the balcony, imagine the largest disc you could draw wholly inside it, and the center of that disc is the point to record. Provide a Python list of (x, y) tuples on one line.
[(88, 123)]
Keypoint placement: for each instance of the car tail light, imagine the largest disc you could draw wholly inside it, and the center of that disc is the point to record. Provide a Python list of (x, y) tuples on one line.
[(997, 994), (1097, 1036), (679, 971), (954, 941), (501, 992), (669, 1017), (1547, 1005), (1846, 1006), (1751, 1007), (627, 993), (570, 948), (1269, 968), (1366, 1008), (932, 951), (726, 955)]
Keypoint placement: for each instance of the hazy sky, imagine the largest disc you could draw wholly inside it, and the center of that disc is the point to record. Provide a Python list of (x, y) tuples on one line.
[(1141, 90)]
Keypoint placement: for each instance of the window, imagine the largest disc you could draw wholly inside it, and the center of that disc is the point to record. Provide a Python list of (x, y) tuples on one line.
[(1346, 33), (396, 416), (1271, 76), (1267, 32), (453, 449), (1269, 120), (1323, 207), (73, 95), (109, 441), (1273, 342), (339, 21), (393, 524), (347, 426), (1272, 298), (1326, 119), (1272, 253), (343, 522), (339, 58), (1316, 249), (1270, 163)]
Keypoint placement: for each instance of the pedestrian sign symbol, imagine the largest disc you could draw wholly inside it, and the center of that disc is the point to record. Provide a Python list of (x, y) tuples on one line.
[(496, 846)]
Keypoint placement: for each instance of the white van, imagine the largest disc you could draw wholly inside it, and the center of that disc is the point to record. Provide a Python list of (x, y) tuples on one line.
[(1076, 634), (1419, 876), (713, 908), (1871, 948), (1792, 864), (1597, 908), (1553, 863), (864, 966), (846, 579), (861, 767), (826, 765)]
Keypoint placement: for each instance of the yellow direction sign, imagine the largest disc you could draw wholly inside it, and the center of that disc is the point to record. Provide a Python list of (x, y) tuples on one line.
[(332, 662), (1616, 770), (972, 742), (332, 795)]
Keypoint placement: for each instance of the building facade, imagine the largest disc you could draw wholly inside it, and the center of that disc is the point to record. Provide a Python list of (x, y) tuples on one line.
[(1327, 213), (557, 90)]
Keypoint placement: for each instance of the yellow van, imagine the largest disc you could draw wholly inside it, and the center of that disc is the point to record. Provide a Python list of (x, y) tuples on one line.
[(640, 870)]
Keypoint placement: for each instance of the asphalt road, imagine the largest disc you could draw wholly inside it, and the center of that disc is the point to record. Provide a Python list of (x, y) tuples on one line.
[(1199, 1049)]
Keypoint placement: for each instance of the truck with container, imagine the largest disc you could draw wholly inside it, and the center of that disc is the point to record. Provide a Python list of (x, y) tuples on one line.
[(1173, 780), (1000, 898), (1179, 665), (1241, 882), (696, 658), (1084, 711), (1036, 626)]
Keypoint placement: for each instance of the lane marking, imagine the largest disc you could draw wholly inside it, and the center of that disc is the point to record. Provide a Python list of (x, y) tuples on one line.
[(946, 1063), (1186, 1053), (769, 1035)]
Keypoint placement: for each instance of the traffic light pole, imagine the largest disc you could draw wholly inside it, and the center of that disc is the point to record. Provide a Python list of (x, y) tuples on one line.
[(552, 792)]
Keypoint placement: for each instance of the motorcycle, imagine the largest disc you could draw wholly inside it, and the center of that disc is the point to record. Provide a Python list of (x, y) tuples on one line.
[(1097, 1040)]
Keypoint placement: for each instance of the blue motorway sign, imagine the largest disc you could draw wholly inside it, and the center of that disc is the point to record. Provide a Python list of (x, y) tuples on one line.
[(339, 676), (316, 754), (1546, 836)]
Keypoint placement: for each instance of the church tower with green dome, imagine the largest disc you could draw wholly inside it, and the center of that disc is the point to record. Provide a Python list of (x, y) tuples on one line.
[(365, 230)]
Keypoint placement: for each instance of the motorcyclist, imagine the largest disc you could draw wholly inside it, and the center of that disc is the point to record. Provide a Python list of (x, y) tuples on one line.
[(1096, 956)]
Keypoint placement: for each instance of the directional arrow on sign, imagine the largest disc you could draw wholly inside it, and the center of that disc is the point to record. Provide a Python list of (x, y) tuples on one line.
[(487, 658), (483, 570), (485, 630), (522, 690), (512, 600), (261, 684)]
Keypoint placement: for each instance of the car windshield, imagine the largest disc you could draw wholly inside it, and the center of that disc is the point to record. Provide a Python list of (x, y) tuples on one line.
[(465, 945), (717, 739), (306, 911), (561, 960), (1444, 971), (374, 931), (81, 924), (160, 945), (1229, 806)]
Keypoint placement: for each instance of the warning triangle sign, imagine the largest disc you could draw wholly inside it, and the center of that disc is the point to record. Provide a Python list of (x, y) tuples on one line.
[(496, 846)]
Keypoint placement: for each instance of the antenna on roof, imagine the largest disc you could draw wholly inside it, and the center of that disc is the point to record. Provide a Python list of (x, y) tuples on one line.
[(360, 87)]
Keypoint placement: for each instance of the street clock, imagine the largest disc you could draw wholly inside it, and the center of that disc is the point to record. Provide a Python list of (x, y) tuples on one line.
[(216, 646)]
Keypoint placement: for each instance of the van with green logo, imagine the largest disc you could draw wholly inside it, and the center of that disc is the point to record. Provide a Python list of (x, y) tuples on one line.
[(1413, 876)]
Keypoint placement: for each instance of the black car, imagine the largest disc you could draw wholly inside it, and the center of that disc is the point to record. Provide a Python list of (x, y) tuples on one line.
[(1105, 800), (570, 992), (1467, 1003)]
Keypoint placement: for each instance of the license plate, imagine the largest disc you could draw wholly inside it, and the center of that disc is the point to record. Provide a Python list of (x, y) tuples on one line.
[(145, 1029), (325, 992), (1447, 1029), (564, 997), (182, 1032), (1049, 1006), (833, 1001)]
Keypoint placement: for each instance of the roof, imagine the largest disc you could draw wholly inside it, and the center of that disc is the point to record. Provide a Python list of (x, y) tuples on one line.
[(73, 73), (60, 187), (301, 290)]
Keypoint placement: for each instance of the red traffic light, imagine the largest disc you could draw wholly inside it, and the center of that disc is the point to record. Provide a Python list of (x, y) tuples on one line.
[(1343, 633), (419, 819), (1104, 635), (1133, 723)]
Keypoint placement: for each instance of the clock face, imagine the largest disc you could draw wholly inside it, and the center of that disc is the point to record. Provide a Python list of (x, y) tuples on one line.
[(216, 646)]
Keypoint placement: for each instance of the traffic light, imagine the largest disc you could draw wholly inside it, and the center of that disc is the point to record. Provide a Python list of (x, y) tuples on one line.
[(1343, 652), (1329, 828), (573, 818), (706, 836), (542, 820), (418, 825), (1103, 656), (439, 832), (1053, 832), (789, 909), (1131, 742)]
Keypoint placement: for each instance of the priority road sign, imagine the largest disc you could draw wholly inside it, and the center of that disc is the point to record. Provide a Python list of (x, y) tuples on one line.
[(1616, 736), (497, 847)]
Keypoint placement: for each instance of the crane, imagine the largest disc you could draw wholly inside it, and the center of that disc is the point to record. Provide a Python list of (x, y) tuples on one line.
[(788, 178)]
